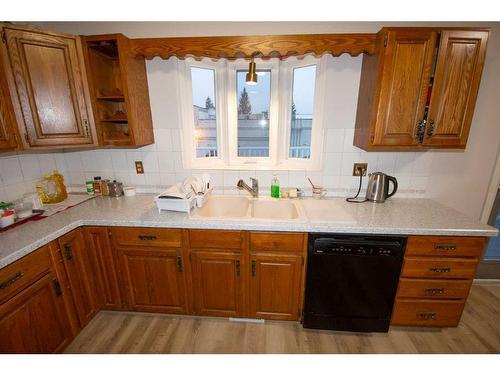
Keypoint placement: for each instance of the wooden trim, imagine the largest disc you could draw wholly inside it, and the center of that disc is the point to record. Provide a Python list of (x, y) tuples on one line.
[(263, 46)]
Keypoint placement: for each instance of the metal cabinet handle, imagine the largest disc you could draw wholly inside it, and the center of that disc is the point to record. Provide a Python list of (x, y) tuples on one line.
[(445, 246), (179, 263), (426, 315), (420, 130), (434, 290), (11, 280), (238, 268), (254, 267), (86, 127), (146, 238), (68, 252), (57, 287), (440, 270), (430, 129)]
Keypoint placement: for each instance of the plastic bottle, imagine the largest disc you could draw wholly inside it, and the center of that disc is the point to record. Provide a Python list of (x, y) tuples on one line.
[(275, 187)]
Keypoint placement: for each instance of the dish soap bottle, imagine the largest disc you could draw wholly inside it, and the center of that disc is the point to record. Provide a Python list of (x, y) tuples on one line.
[(275, 187)]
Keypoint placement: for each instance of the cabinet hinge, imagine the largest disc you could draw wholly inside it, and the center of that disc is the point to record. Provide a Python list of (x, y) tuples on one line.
[(27, 137), (372, 138), (4, 38), (385, 40)]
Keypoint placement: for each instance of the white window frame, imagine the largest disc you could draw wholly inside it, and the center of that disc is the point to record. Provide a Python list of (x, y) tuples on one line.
[(317, 132), (226, 98), (187, 116), (252, 162)]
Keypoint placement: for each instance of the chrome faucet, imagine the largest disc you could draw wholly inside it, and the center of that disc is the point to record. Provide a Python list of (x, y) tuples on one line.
[(254, 190)]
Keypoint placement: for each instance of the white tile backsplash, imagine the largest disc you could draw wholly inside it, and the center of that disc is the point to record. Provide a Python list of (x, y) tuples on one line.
[(163, 160)]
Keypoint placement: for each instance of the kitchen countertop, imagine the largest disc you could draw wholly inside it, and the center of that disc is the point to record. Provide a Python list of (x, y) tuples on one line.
[(395, 216)]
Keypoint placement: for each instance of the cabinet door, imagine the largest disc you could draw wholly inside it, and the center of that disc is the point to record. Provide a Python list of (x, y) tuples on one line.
[(48, 79), (7, 117), (153, 280), (80, 275), (456, 84), (34, 321), (217, 283), (102, 259), (407, 65), (275, 284)]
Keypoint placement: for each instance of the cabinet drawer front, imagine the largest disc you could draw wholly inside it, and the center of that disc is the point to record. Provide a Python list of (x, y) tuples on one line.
[(445, 246), (453, 268), (23, 272), (435, 289), (147, 237), (277, 242), (215, 239), (421, 312)]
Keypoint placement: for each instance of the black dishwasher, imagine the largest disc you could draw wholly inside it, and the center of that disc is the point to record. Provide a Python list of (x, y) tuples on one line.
[(351, 281)]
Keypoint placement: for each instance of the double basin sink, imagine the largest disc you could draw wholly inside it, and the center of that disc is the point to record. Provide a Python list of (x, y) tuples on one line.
[(227, 207)]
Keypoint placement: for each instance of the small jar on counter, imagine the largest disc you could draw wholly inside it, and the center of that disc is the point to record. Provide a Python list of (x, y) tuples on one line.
[(97, 185), (90, 187), (105, 188)]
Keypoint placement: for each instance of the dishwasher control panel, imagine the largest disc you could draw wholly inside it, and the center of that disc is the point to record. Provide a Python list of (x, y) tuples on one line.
[(335, 246)]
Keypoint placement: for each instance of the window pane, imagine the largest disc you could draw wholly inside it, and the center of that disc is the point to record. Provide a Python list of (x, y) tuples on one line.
[(253, 114), (205, 120), (302, 111)]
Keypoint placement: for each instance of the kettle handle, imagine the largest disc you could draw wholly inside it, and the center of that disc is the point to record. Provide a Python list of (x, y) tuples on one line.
[(395, 183)]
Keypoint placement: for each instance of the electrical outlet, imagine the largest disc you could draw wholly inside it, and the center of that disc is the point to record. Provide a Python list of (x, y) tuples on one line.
[(138, 167), (359, 169)]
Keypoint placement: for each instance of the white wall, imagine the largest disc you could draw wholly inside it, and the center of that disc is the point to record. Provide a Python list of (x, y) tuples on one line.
[(459, 179), (163, 160)]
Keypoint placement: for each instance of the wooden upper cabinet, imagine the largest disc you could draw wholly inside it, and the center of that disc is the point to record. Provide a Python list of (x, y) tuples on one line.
[(119, 90), (404, 86), (456, 84), (49, 88), (418, 91), (8, 124)]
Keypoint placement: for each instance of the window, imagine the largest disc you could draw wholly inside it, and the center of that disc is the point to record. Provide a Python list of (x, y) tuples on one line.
[(301, 111), (205, 118), (253, 114), (274, 124)]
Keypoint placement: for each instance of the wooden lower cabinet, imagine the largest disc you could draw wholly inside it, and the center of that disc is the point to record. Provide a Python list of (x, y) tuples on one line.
[(275, 284), (218, 287), (101, 258), (81, 275), (429, 313), (35, 320), (153, 280), (435, 280)]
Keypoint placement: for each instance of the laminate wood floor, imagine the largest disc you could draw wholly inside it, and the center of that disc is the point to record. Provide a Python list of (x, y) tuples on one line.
[(118, 332)]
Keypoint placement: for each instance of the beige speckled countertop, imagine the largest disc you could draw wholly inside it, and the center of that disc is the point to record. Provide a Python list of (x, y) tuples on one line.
[(395, 216)]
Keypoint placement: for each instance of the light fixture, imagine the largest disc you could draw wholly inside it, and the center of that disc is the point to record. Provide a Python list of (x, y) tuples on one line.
[(251, 78)]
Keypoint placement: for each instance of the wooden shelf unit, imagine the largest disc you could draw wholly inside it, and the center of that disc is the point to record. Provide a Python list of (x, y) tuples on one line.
[(119, 90)]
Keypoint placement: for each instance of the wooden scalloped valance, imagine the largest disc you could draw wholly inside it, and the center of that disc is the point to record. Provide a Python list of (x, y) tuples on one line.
[(262, 46)]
